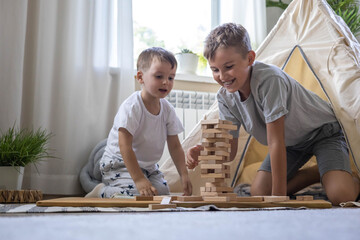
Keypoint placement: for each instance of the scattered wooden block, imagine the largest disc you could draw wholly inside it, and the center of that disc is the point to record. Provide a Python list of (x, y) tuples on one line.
[(275, 198), (161, 206), (166, 200), (144, 198), (160, 197), (305, 198)]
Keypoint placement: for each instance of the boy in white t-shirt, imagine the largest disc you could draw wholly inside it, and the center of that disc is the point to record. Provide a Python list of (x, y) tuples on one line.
[(144, 122)]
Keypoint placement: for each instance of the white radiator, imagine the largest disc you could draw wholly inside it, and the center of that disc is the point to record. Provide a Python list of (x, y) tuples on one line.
[(190, 107)]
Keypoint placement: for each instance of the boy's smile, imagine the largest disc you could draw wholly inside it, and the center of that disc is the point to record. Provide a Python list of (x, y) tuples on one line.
[(231, 70)]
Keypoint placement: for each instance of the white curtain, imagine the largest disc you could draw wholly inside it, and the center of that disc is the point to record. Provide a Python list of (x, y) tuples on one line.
[(55, 74), (250, 14)]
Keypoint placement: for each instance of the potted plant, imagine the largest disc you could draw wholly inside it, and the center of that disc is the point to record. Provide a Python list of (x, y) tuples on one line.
[(187, 61), (19, 148)]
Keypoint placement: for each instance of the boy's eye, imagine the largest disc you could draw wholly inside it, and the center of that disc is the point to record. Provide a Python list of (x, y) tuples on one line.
[(214, 69), (171, 78), (229, 67), (158, 76)]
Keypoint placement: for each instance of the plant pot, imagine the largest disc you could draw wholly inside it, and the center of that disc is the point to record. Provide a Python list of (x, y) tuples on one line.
[(187, 62), (11, 178)]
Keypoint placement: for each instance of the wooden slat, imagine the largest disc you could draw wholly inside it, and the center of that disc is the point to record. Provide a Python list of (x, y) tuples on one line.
[(117, 202)]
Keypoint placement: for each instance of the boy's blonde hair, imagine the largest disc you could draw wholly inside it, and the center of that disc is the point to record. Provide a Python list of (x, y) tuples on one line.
[(227, 35), (148, 55)]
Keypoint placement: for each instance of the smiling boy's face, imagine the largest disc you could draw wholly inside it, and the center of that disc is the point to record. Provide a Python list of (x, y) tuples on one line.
[(158, 80), (231, 70)]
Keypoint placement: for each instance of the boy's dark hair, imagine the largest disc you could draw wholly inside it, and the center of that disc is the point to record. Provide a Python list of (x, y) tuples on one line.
[(147, 56), (227, 35)]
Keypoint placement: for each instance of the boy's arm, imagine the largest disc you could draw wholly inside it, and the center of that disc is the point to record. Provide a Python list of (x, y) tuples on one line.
[(143, 185), (177, 154), (277, 151)]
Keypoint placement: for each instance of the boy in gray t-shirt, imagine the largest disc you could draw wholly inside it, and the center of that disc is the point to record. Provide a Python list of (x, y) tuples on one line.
[(274, 108)]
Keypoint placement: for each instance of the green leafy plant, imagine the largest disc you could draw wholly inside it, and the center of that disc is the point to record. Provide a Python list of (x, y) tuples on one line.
[(185, 50), (280, 4), (347, 9), (22, 147)]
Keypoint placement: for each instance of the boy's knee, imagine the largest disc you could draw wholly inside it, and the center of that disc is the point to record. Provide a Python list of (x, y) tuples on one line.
[(339, 187), (338, 196)]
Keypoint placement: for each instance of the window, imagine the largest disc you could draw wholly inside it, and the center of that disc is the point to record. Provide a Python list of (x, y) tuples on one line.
[(180, 24)]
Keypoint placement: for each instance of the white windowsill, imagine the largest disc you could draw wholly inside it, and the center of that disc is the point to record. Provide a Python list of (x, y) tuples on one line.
[(179, 76), (194, 78)]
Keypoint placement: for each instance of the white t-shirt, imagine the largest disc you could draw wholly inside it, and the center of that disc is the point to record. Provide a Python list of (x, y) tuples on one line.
[(275, 94), (149, 131)]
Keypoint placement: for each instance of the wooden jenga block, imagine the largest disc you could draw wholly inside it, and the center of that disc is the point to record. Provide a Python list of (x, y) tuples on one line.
[(249, 199), (190, 198), (221, 189), (211, 166), (215, 184), (215, 153), (212, 157), (215, 175), (215, 180), (144, 198), (214, 130), (226, 126), (275, 198), (222, 144), (305, 198), (208, 135), (224, 135), (214, 121), (213, 149), (216, 140), (161, 206)]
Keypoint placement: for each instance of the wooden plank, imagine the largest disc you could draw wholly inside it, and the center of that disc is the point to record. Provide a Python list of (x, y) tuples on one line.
[(189, 198), (161, 206), (249, 199), (117, 202), (275, 198), (217, 199)]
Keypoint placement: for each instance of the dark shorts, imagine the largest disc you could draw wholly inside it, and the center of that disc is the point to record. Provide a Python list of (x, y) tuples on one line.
[(327, 143)]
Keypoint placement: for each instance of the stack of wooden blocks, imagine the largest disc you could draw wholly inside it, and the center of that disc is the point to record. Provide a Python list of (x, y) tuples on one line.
[(216, 142)]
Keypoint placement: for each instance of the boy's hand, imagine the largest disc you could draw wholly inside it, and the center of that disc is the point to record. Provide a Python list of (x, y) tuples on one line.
[(145, 188), (187, 186), (192, 156)]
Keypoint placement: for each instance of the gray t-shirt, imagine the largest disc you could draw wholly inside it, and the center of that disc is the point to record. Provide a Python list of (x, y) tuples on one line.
[(273, 95)]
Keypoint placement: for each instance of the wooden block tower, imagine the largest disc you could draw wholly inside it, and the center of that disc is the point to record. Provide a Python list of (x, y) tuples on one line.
[(216, 143)]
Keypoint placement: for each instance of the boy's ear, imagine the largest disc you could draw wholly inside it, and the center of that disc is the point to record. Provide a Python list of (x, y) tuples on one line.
[(139, 77), (251, 57)]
